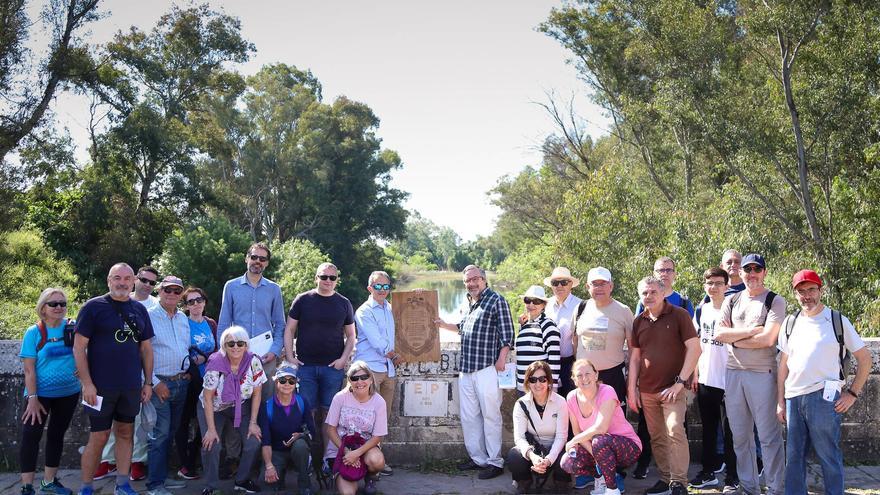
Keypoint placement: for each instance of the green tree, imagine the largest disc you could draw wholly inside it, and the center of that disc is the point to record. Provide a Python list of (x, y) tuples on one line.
[(293, 266)]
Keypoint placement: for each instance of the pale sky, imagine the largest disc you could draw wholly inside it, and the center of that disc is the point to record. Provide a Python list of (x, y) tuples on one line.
[(454, 83)]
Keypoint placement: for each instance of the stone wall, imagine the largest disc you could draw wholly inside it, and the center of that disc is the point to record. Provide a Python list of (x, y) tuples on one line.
[(420, 439)]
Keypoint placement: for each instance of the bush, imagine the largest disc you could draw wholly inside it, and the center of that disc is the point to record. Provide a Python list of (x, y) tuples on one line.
[(293, 266)]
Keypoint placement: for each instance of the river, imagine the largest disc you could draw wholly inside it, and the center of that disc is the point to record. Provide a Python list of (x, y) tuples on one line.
[(451, 296)]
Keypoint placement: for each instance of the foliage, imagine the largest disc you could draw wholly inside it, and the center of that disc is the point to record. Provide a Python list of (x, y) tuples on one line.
[(293, 266), (27, 266)]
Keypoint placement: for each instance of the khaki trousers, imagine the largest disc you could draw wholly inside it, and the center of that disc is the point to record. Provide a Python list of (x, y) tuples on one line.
[(668, 436), (385, 386)]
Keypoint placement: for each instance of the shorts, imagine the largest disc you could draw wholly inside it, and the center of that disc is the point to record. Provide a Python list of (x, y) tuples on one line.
[(118, 405)]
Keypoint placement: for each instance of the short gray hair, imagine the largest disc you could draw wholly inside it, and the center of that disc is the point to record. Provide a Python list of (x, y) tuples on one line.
[(731, 251), (650, 280), (475, 267), (376, 274), (239, 333), (44, 298)]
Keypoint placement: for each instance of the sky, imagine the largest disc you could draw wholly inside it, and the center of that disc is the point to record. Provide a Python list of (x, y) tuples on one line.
[(455, 84)]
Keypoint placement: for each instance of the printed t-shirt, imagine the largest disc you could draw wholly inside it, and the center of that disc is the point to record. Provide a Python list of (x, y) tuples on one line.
[(215, 381), (601, 333), (320, 334), (54, 364), (618, 426), (712, 366), (369, 418), (200, 335), (661, 343)]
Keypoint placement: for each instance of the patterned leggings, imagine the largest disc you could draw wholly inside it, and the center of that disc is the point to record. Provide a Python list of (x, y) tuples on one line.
[(609, 452)]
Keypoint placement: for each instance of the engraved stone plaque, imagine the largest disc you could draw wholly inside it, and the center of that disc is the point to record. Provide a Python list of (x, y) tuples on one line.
[(426, 398), (416, 335)]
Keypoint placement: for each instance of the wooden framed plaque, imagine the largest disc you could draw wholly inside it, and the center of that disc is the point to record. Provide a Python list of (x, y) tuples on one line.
[(415, 335)]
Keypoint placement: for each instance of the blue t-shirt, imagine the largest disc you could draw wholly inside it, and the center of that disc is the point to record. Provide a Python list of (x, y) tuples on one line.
[(201, 337), (674, 299), (54, 362), (114, 356)]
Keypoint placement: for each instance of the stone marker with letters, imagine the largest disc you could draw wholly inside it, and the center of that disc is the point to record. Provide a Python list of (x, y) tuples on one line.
[(416, 336)]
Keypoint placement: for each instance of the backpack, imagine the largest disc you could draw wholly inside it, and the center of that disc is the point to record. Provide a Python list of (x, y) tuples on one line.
[(836, 322), (768, 302), (67, 335)]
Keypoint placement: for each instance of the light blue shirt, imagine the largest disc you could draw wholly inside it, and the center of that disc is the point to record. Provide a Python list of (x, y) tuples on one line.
[(375, 335), (170, 342), (258, 309)]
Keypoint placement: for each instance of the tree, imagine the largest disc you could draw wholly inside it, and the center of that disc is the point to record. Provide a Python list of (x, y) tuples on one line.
[(293, 266)]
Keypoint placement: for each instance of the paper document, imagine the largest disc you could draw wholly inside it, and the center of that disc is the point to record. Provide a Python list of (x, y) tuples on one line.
[(507, 378), (98, 401), (261, 344)]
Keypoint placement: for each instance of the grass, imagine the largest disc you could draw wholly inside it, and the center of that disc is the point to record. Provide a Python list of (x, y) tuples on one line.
[(442, 466)]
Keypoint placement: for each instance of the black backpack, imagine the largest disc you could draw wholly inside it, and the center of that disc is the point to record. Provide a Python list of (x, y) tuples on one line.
[(836, 322)]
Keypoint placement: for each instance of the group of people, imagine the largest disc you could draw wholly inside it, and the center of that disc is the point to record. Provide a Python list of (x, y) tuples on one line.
[(147, 370)]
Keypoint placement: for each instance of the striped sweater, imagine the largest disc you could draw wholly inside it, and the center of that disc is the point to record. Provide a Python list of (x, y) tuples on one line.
[(537, 340)]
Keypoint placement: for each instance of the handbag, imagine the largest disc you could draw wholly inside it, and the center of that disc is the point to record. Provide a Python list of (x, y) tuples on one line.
[(351, 473)]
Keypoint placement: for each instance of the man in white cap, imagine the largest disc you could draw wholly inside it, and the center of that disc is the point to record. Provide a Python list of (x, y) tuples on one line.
[(561, 310)]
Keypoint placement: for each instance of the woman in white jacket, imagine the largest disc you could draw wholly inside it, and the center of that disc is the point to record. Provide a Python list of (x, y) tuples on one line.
[(540, 428)]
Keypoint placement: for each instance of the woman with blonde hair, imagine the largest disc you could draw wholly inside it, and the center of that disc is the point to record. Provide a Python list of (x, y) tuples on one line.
[(355, 424)]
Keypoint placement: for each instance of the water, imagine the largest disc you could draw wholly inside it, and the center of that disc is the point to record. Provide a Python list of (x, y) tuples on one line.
[(451, 296)]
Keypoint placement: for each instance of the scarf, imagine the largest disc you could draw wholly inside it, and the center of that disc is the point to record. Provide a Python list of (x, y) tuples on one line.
[(231, 382)]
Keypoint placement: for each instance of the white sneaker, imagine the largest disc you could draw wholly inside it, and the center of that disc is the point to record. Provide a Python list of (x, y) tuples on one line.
[(612, 491), (599, 486)]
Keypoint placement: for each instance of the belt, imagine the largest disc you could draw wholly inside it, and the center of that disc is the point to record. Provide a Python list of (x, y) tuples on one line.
[(174, 378)]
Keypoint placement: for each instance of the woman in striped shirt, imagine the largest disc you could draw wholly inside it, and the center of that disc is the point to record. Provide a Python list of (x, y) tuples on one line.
[(538, 337)]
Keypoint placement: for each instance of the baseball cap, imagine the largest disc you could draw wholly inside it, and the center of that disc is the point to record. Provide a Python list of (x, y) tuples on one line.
[(171, 280), (753, 259), (805, 276), (599, 273)]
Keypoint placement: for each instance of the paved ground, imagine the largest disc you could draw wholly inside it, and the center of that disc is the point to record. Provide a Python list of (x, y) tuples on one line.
[(859, 480)]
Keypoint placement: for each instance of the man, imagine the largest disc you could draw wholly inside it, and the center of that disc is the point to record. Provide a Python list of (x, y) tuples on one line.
[(731, 261), (170, 380), (561, 310), (709, 386), (664, 270), (812, 393), (663, 354), (114, 361), (375, 339), (254, 302), (146, 279), (749, 323), (486, 336)]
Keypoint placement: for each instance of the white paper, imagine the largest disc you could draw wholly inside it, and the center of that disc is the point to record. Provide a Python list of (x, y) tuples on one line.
[(98, 401), (261, 344), (831, 389), (507, 378)]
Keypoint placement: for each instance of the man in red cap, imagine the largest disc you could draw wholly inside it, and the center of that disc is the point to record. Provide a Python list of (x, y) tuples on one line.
[(812, 392)]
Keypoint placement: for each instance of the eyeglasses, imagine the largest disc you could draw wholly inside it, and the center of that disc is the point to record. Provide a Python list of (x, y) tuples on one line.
[(194, 301), (381, 286), (287, 380), (233, 343), (472, 279), (145, 280), (536, 379), (357, 378), (262, 259), (172, 290), (753, 269), (533, 300), (714, 284), (331, 278), (55, 304), (558, 283), (664, 270)]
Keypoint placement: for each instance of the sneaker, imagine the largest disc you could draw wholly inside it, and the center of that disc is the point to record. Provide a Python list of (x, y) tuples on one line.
[(677, 488), (105, 470), (469, 465), (721, 468), (187, 474), (489, 472), (640, 472), (618, 478), (370, 486), (703, 479), (659, 488), (54, 488), (138, 471), (598, 486), (612, 491), (86, 490), (27, 490), (159, 490), (246, 486), (582, 481), (125, 489), (731, 485), (386, 471), (173, 484)]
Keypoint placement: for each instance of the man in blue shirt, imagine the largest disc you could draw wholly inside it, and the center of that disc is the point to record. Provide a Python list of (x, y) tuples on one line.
[(664, 269)]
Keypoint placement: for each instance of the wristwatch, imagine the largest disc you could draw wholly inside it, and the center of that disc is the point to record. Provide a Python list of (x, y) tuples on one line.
[(678, 379)]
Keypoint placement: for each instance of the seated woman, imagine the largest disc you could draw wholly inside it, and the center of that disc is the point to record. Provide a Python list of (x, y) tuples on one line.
[(357, 409), (231, 394), (287, 425), (539, 417), (603, 438)]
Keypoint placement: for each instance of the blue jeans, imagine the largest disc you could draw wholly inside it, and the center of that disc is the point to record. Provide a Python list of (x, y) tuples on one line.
[(318, 384), (168, 414), (813, 421)]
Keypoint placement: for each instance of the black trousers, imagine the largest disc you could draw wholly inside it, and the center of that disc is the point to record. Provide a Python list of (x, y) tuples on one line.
[(710, 401), (521, 468), (60, 411), (188, 451)]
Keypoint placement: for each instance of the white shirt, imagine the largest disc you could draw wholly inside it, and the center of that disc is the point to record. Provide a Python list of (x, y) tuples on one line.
[(562, 315), (150, 302), (712, 366)]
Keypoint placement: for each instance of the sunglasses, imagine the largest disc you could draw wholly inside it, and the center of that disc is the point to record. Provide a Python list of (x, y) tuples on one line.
[(239, 343), (331, 278), (170, 290), (357, 378), (145, 280), (533, 300), (557, 283), (287, 380), (262, 259), (381, 286), (536, 379), (753, 269), (194, 301), (55, 304)]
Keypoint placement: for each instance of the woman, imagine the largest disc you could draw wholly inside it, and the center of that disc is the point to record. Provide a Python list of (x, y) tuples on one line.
[(202, 331), (538, 337), (357, 409), (233, 377), (602, 436), (541, 417), (287, 426), (51, 390)]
